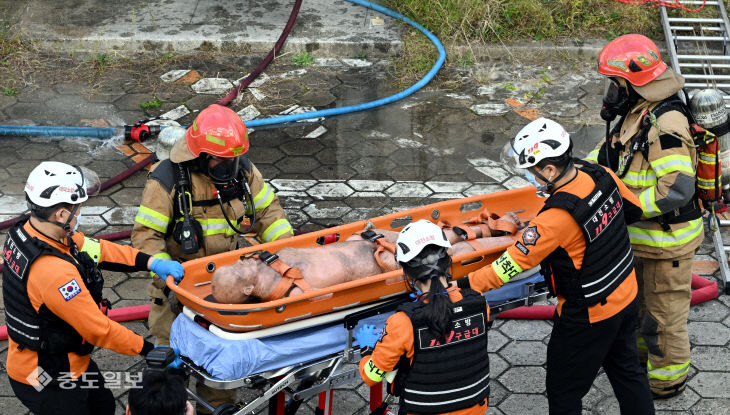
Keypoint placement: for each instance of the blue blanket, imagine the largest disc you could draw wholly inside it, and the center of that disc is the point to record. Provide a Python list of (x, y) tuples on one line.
[(233, 359)]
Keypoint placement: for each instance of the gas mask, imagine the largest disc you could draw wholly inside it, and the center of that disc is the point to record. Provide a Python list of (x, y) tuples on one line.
[(618, 98), (223, 171)]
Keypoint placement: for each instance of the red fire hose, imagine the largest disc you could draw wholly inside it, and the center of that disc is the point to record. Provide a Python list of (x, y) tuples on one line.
[(267, 60), (702, 290)]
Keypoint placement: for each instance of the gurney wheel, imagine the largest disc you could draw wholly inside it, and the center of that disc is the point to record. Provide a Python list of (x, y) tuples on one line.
[(225, 409)]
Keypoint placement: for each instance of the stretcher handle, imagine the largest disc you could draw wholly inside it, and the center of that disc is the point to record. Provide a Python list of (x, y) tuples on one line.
[(351, 320)]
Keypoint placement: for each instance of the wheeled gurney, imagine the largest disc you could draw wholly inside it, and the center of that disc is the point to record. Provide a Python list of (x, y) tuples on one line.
[(303, 344)]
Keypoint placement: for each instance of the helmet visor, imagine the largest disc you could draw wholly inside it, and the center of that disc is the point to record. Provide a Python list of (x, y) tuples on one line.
[(90, 183), (509, 160), (222, 169)]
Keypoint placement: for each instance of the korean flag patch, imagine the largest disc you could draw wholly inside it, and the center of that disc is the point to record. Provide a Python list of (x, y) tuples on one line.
[(70, 290)]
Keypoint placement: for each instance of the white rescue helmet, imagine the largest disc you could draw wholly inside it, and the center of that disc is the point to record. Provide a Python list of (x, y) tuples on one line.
[(416, 236), (53, 182), (539, 140)]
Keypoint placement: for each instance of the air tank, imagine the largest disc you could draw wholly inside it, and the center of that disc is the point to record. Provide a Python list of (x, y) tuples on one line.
[(167, 138), (708, 108)]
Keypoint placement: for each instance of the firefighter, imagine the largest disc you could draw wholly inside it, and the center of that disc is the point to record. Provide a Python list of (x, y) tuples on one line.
[(425, 340), (656, 160), (579, 239), (52, 291), (194, 202)]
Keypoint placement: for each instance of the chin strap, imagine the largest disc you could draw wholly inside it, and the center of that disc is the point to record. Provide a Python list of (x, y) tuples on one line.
[(549, 185)]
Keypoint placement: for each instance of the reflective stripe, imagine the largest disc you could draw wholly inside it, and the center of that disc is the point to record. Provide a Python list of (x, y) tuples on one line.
[(505, 267), (643, 178), (215, 140), (593, 155), (152, 219), (449, 401), (641, 343), (670, 164), (93, 248), (486, 377), (216, 227), (10, 326), (707, 158), (671, 372), (661, 239), (33, 326), (629, 256), (372, 371), (706, 184), (276, 230), (264, 198), (648, 203)]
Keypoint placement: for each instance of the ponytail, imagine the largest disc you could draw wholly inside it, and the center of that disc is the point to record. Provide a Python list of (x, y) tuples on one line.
[(437, 311), (432, 263)]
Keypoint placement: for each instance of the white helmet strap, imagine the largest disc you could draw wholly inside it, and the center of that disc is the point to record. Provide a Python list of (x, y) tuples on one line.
[(550, 184)]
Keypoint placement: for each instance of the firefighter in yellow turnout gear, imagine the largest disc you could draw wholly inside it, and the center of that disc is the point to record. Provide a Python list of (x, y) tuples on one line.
[(214, 172), (655, 158)]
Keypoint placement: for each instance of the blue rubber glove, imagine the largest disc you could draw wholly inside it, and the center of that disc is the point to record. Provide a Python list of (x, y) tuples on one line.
[(165, 267), (177, 362), (368, 335)]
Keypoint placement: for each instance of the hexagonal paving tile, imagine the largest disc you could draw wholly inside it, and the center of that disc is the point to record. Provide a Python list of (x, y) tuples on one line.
[(711, 384), (408, 189), (525, 353), (301, 147), (524, 379), (497, 365), (521, 404), (710, 358), (330, 190), (526, 330), (326, 210), (333, 172), (297, 164), (708, 311), (678, 403), (712, 407), (706, 333)]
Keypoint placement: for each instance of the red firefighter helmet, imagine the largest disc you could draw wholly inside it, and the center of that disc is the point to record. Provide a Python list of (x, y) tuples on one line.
[(218, 131), (633, 57)]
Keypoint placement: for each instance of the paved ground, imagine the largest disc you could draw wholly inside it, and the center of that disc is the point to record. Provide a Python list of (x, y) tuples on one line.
[(443, 142)]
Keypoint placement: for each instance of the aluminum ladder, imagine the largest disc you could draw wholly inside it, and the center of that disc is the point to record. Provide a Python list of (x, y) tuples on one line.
[(699, 49)]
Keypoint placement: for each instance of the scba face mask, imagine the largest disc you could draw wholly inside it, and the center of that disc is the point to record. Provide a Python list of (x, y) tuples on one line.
[(617, 99)]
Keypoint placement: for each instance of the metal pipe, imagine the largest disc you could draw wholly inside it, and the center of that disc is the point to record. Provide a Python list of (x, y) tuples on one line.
[(702, 38), (704, 65), (668, 36), (715, 77), (693, 20), (705, 57)]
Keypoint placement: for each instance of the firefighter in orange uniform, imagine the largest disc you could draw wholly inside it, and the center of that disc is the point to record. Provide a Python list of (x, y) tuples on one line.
[(52, 290), (424, 340), (580, 240)]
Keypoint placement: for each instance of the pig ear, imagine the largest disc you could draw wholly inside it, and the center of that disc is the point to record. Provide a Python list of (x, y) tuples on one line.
[(248, 289)]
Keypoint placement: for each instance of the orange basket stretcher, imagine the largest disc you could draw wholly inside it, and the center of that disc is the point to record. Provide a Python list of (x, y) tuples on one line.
[(321, 306)]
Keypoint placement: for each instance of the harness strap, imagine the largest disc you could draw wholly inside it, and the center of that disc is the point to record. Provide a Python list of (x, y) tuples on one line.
[(383, 245), (493, 221), (290, 276)]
